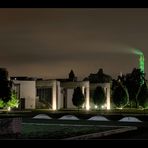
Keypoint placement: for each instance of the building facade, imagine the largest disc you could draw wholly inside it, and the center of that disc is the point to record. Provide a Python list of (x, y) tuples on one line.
[(55, 95), (26, 92)]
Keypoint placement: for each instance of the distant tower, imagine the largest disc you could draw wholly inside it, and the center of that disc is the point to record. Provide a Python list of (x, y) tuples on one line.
[(141, 62), (72, 76)]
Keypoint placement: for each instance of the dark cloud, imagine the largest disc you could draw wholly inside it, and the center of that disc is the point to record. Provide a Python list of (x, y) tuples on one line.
[(49, 42)]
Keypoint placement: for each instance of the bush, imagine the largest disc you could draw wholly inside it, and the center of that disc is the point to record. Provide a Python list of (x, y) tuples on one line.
[(1, 103), (78, 97), (120, 96), (99, 97), (14, 101)]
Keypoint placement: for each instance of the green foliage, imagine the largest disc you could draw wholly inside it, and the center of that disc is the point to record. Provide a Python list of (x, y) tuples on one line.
[(8, 98), (120, 96), (99, 97), (142, 96), (1, 103), (78, 97), (14, 101)]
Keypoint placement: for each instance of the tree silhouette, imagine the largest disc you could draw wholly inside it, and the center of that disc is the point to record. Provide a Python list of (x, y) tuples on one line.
[(99, 97), (5, 85), (78, 97), (99, 77), (132, 82), (142, 96), (71, 76), (120, 96)]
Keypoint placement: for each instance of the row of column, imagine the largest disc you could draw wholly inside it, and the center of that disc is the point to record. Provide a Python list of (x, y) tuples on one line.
[(85, 86)]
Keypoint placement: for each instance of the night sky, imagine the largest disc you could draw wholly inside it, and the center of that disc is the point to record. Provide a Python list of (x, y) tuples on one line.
[(49, 42)]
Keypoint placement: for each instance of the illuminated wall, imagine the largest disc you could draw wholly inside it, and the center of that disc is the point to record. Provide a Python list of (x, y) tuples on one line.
[(70, 86), (27, 91)]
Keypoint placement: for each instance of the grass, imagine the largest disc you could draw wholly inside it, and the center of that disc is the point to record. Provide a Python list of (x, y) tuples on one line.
[(33, 131), (59, 129), (56, 129)]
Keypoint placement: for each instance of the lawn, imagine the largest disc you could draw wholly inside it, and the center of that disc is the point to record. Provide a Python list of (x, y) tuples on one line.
[(61, 131), (39, 129)]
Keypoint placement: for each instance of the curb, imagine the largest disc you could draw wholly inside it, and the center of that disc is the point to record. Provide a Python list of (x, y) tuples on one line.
[(101, 134)]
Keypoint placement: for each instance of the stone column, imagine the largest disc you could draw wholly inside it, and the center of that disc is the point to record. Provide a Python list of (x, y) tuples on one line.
[(87, 96), (58, 95), (83, 90), (54, 102), (108, 96)]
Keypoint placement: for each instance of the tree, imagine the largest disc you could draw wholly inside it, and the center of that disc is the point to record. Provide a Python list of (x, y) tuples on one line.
[(120, 96), (99, 77), (14, 101), (99, 97), (3, 74), (1, 103), (132, 82), (8, 98), (72, 76), (5, 86), (142, 96), (78, 97)]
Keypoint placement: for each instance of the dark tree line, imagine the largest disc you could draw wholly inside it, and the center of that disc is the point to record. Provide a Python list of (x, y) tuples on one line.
[(8, 98), (5, 85), (135, 85)]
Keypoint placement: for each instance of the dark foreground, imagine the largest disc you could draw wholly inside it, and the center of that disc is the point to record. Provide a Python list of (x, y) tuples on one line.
[(43, 129), (139, 134)]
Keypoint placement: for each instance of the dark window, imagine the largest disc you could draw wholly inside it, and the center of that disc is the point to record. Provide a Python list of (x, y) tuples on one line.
[(45, 94)]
